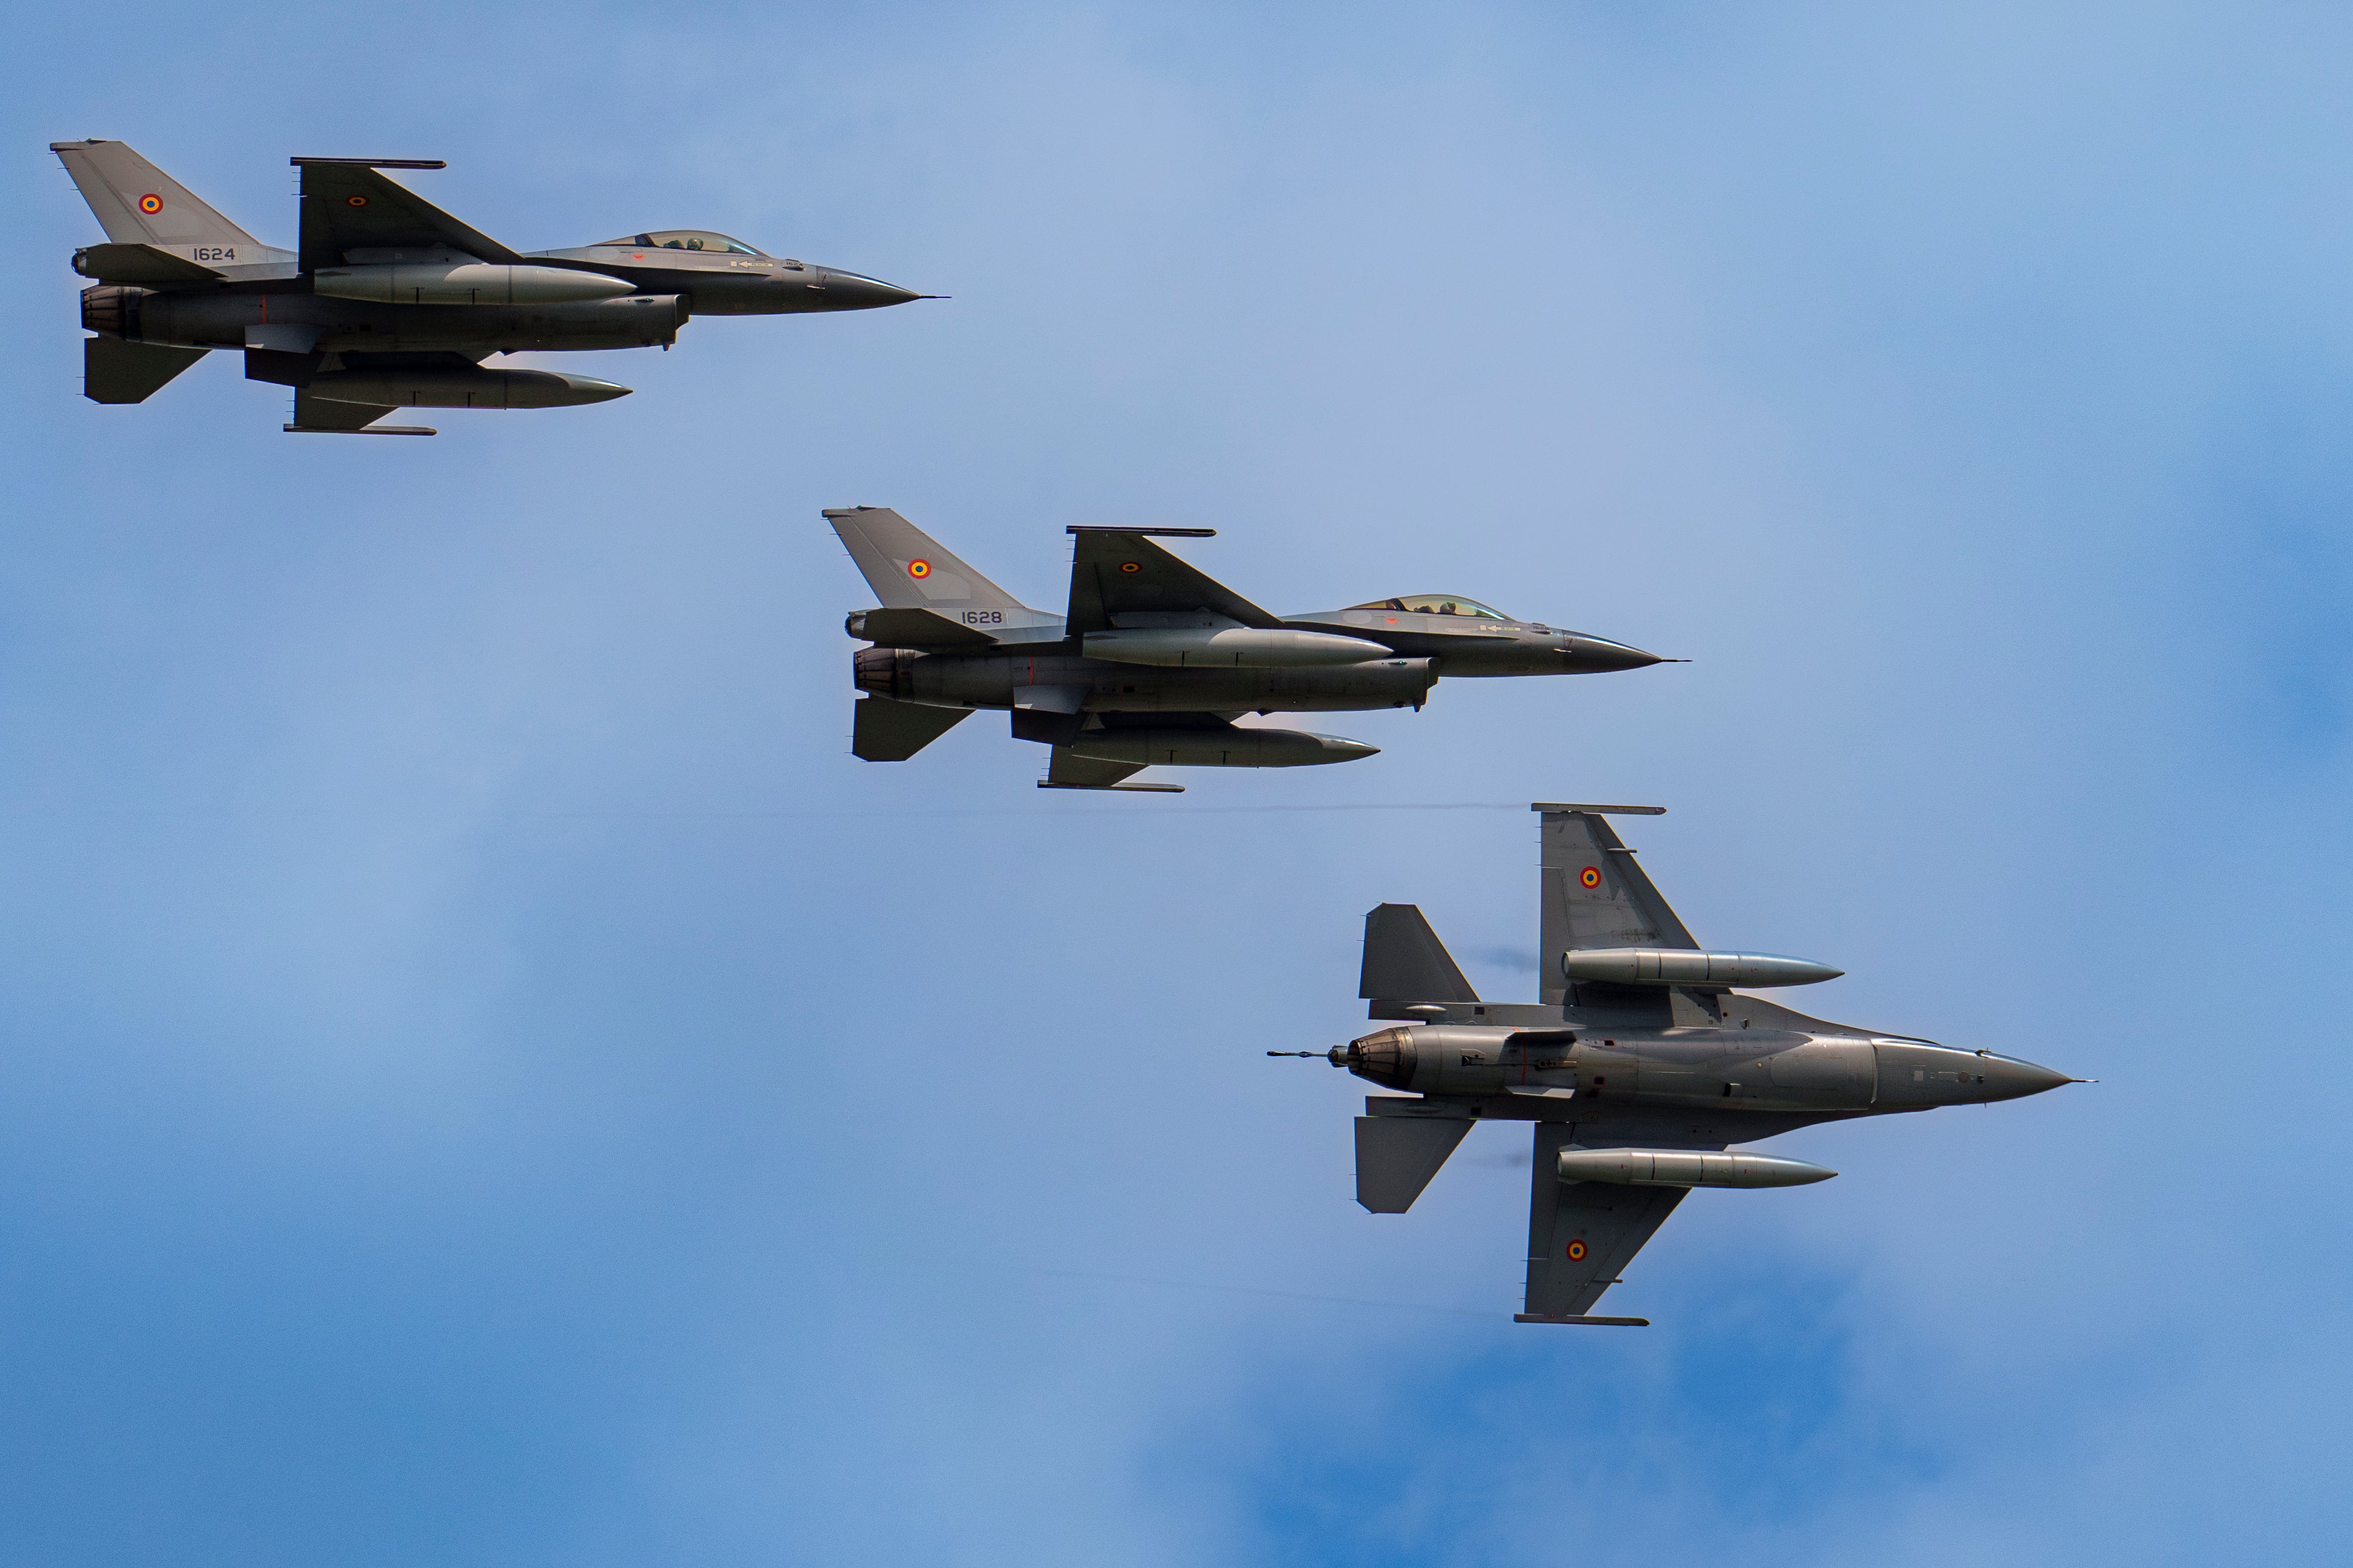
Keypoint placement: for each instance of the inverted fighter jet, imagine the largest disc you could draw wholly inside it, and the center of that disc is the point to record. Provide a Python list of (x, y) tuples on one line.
[(390, 302), (1154, 662), (1640, 1069)]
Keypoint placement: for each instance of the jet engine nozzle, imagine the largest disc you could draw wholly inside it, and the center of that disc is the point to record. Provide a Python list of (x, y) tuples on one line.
[(112, 310), (882, 671), (1680, 966), (1386, 1058), (1687, 1168)]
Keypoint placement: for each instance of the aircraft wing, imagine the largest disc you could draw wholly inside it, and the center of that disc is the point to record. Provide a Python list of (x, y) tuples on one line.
[(1067, 769), (326, 413), (347, 206), (1582, 1235), (911, 626), (1118, 570), (1594, 895)]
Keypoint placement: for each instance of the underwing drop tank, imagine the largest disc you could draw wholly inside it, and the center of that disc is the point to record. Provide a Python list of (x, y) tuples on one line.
[(1230, 647), (1687, 1168), (452, 281), (1681, 966), (1224, 746), (435, 386)]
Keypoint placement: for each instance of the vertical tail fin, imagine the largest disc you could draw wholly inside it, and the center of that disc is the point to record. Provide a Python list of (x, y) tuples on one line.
[(908, 569), (138, 204)]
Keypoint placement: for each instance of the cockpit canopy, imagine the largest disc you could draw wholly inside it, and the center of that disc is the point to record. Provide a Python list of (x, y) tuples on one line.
[(1436, 605), (686, 239)]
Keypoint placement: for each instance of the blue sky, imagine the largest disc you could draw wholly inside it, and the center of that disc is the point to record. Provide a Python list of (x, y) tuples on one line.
[(485, 1077)]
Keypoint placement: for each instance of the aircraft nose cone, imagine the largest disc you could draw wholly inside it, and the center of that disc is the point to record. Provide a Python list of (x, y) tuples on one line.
[(850, 292), (1597, 656), (2007, 1077)]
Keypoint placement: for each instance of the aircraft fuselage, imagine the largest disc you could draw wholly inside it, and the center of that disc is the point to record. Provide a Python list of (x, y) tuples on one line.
[(1717, 1069), (1426, 650)]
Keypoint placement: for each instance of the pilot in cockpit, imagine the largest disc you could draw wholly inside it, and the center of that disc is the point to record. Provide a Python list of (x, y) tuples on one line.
[(1436, 605)]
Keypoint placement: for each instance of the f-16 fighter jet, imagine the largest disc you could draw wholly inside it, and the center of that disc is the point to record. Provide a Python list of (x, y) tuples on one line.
[(1640, 1069), (1154, 662), (390, 302)]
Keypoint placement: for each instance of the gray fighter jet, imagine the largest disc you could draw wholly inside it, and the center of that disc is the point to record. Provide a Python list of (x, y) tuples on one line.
[(1154, 661), (1639, 1069), (390, 302)]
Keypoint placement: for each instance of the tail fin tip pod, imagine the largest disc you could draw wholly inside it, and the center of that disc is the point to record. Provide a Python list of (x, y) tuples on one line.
[(138, 204)]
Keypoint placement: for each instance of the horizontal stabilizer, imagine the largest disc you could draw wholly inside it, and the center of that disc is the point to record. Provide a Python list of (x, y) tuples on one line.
[(885, 731), (905, 626), (1405, 961), (114, 371), (148, 264), (1397, 1155)]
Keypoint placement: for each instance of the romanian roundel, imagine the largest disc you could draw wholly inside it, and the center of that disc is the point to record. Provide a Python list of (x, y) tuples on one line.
[(919, 568), (1590, 877), (1130, 565), (151, 203), (355, 201), (1577, 1252)]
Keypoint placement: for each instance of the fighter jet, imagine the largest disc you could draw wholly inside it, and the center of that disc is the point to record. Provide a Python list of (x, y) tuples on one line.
[(1154, 662), (1640, 1069), (390, 302)]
